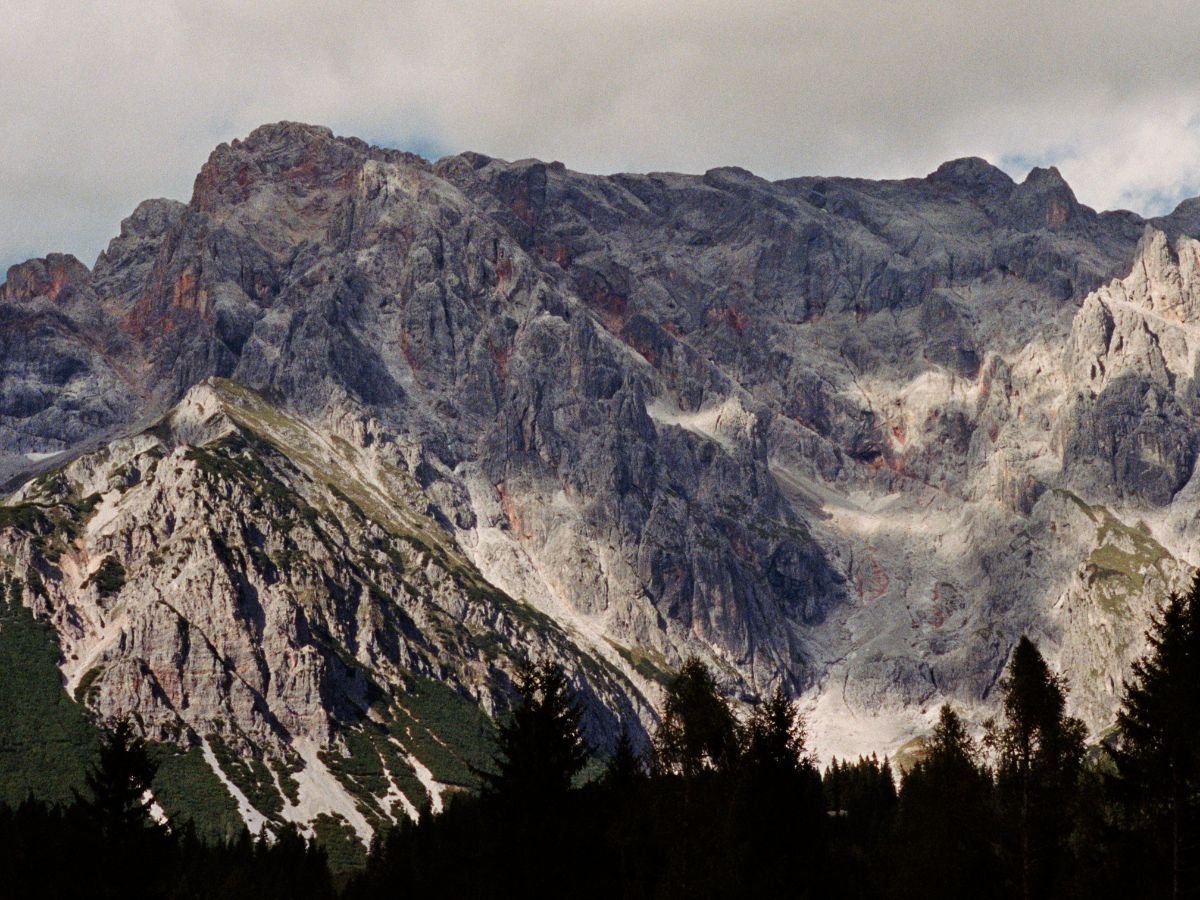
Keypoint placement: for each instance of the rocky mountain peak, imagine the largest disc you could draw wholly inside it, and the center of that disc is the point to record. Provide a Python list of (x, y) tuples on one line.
[(829, 434), (973, 174), (275, 135), (122, 267), (1183, 220), (1045, 178), (202, 416), (1045, 199), (48, 277), (1164, 278), (149, 220)]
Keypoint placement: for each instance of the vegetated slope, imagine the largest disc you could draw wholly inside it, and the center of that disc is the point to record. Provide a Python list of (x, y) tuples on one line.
[(49, 741), (829, 433), (259, 590)]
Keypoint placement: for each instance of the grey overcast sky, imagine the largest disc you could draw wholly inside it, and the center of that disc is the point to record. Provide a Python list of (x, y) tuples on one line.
[(105, 104)]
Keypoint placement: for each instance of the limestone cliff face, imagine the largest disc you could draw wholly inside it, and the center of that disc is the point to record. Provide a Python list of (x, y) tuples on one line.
[(237, 578), (850, 437)]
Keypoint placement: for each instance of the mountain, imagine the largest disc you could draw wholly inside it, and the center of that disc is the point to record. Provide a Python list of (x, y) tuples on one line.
[(302, 470)]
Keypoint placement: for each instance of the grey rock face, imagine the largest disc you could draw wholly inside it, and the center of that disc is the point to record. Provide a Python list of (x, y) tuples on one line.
[(62, 383), (235, 577), (1134, 437), (816, 431)]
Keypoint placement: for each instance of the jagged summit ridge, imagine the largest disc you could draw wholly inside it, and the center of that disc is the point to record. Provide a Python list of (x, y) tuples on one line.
[(797, 428)]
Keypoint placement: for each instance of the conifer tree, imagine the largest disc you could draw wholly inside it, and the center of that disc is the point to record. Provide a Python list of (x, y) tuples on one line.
[(625, 766), (1158, 756), (775, 737), (1039, 750), (779, 809), (540, 748), (698, 729), (120, 781), (944, 822)]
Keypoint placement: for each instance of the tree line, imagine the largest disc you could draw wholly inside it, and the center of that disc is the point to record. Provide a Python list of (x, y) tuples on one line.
[(719, 807)]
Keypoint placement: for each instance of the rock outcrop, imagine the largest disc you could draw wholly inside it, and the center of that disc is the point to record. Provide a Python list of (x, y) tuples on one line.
[(237, 578), (850, 437)]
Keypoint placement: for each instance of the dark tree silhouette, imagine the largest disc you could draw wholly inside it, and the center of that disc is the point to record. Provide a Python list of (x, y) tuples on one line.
[(121, 780), (945, 824), (1158, 756), (1039, 758), (698, 729), (540, 747), (625, 765), (779, 809), (775, 737)]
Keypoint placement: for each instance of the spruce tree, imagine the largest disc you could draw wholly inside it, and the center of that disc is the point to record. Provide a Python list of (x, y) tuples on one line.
[(944, 826), (120, 782), (1039, 757), (1158, 755), (775, 737), (540, 748), (698, 730), (625, 766), (779, 809)]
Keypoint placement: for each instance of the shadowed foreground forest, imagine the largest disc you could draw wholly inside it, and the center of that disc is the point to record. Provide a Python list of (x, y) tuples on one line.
[(714, 807)]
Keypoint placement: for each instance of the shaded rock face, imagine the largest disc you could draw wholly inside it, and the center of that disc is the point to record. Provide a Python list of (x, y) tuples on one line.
[(1132, 352), (811, 430), (1133, 438), (62, 381)]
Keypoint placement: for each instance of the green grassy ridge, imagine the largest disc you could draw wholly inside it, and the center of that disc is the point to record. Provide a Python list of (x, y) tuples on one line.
[(241, 459), (269, 425), (291, 439), (647, 662), (288, 437), (457, 734)]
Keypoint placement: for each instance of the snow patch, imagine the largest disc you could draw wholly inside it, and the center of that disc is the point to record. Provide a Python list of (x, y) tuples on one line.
[(38, 457)]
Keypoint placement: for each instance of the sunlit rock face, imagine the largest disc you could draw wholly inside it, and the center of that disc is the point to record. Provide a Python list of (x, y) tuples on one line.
[(850, 437)]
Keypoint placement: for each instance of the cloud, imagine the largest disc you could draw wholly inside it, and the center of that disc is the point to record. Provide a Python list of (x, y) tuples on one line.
[(106, 104)]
